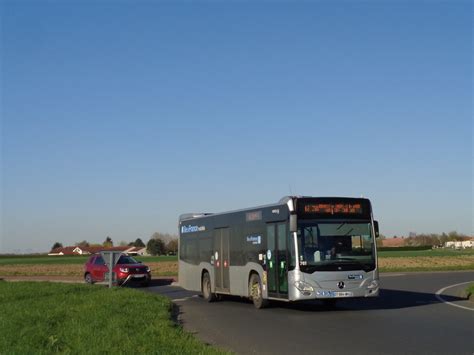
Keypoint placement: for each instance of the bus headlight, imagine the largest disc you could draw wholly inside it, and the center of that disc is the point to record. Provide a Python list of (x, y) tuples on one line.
[(304, 287), (373, 285)]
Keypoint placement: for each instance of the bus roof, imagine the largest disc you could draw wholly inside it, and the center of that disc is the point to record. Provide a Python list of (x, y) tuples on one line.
[(283, 201)]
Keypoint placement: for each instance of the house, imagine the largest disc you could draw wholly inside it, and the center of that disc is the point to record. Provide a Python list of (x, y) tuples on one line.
[(393, 242), (130, 250), (76, 250), (137, 251), (467, 244), (69, 251), (460, 244)]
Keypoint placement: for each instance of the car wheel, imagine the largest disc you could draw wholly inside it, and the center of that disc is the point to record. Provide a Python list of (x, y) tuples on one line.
[(206, 288), (255, 292), (88, 279)]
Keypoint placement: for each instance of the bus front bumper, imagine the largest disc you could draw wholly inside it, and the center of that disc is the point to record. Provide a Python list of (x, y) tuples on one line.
[(332, 285)]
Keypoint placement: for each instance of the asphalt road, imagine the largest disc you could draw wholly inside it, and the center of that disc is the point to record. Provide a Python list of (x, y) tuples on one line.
[(407, 318)]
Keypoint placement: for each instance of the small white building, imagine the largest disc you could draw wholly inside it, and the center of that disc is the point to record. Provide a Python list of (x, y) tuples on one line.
[(468, 244), (460, 245)]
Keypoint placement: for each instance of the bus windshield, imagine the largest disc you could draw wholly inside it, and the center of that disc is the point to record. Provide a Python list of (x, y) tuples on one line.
[(335, 246)]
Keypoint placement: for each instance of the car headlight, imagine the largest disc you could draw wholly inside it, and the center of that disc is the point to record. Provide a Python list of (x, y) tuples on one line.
[(304, 287), (373, 285), (148, 269), (123, 269)]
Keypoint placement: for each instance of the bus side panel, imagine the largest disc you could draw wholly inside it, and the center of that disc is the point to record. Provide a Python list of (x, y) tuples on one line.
[(239, 279), (189, 276)]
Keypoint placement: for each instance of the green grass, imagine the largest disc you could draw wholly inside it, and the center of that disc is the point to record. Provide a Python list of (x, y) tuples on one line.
[(46, 318), (430, 269), (58, 260), (470, 291), (431, 252)]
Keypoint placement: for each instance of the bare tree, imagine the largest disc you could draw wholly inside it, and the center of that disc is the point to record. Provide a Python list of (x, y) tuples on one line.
[(108, 242), (172, 247), (83, 244)]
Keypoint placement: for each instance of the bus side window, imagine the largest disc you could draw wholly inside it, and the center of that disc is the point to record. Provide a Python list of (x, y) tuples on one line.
[(192, 251), (189, 250), (182, 249), (205, 249)]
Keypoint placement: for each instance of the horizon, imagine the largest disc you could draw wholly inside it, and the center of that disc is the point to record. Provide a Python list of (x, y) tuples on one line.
[(165, 237), (119, 117)]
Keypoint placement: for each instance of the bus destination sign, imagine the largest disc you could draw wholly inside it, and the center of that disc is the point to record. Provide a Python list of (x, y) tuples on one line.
[(333, 208)]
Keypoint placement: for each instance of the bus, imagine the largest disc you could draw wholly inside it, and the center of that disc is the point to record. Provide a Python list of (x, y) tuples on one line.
[(301, 248)]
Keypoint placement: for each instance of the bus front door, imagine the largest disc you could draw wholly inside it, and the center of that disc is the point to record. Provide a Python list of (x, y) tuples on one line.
[(221, 259), (276, 260)]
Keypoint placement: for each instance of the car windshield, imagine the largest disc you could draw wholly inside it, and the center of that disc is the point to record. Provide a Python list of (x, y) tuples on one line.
[(125, 259), (335, 246)]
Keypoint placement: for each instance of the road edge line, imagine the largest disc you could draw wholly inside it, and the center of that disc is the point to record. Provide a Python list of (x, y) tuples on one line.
[(440, 291)]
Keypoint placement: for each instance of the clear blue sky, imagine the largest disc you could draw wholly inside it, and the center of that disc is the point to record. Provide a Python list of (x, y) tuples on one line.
[(119, 116)]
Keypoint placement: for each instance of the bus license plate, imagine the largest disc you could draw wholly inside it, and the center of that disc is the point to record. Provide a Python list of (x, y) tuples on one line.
[(343, 294)]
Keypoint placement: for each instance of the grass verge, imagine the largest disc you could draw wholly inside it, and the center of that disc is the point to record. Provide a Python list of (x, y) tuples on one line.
[(429, 253), (426, 263), (470, 292), (165, 268), (70, 260), (398, 261), (426, 269), (43, 318)]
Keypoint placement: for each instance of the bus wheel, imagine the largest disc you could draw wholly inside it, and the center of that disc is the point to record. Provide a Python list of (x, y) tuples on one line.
[(255, 291), (206, 288)]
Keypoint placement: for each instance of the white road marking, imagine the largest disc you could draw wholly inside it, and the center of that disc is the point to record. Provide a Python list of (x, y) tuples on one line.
[(439, 293), (184, 299)]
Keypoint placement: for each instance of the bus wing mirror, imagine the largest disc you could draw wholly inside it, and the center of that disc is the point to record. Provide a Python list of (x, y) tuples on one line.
[(376, 227), (293, 224)]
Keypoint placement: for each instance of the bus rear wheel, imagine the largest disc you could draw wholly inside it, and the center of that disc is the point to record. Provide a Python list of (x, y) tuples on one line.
[(255, 291), (206, 288)]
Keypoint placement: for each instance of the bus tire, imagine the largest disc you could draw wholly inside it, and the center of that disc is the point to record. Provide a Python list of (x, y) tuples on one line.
[(255, 292), (206, 288)]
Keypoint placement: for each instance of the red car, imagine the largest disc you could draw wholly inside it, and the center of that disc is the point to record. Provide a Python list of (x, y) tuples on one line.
[(126, 268)]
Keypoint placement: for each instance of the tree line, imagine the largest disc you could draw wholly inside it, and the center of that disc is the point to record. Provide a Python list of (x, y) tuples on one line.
[(434, 239), (159, 244), (167, 244), (431, 239)]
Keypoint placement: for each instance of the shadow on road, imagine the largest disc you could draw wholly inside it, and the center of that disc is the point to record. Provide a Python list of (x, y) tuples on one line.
[(161, 282), (388, 299), (153, 283)]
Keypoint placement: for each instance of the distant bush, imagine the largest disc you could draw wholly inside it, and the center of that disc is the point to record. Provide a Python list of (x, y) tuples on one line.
[(407, 248)]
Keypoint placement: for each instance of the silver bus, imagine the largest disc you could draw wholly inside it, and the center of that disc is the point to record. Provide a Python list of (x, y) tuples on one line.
[(301, 248)]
